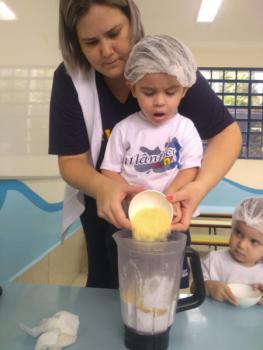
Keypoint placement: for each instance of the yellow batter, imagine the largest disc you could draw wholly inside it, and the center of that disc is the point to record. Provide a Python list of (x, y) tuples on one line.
[(151, 224)]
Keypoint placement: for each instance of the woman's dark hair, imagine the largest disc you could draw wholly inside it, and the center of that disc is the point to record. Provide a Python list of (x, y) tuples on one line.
[(70, 11)]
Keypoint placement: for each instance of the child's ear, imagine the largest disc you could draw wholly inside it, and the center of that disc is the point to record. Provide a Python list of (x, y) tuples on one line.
[(131, 87)]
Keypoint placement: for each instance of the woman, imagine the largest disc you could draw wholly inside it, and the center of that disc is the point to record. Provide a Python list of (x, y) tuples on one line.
[(90, 95)]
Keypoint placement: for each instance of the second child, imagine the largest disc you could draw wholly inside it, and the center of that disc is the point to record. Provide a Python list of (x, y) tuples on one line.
[(242, 262)]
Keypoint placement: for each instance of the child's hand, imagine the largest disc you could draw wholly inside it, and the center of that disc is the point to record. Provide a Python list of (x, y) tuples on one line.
[(220, 292), (259, 286)]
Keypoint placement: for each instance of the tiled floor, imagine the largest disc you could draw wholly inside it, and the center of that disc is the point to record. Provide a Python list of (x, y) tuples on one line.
[(80, 281)]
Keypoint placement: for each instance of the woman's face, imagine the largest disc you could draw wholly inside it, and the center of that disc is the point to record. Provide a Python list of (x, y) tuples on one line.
[(104, 37)]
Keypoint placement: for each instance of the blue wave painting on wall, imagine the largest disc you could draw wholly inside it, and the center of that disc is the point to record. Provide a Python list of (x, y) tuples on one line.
[(30, 227), (227, 195), (15, 185)]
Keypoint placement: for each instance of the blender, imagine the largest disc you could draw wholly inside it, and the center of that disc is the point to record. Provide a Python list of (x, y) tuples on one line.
[(149, 283)]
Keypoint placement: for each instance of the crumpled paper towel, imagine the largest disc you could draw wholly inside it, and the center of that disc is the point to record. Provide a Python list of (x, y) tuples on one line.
[(56, 332)]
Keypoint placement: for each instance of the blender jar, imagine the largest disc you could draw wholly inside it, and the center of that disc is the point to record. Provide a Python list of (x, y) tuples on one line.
[(149, 283)]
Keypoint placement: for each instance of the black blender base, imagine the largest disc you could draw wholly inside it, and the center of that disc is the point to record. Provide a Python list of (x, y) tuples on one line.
[(135, 341)]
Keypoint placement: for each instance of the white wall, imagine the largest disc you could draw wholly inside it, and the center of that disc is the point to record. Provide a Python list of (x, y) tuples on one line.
[(30, 52), (31, 40), (233, 39), (229, 57)]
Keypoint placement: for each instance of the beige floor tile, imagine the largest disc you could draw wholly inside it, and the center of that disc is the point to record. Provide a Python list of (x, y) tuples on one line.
[(65, 265), (84, 260), (65, 261), (80, 281), (37, 274)]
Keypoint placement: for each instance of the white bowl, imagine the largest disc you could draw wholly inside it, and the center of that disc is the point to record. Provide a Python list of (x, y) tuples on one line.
[(150, 199), (246, 296)]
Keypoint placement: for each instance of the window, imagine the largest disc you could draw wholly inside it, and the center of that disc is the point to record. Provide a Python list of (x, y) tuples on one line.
[(241, 90)]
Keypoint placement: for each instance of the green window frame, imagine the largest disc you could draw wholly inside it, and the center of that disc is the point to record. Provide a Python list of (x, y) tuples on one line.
[(241, 90)]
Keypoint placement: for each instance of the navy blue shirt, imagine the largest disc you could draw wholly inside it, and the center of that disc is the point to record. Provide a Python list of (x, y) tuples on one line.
[(68, 136), (67, 129)]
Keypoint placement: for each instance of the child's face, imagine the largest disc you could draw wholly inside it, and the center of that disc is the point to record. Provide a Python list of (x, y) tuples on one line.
[(246, 244), (159, 96)]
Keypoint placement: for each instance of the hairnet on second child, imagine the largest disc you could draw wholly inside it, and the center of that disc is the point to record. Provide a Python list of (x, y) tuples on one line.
[(250, 211), (161, 54)]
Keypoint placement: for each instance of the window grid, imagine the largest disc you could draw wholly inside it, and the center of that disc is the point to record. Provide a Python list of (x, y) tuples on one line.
[(241, 90)]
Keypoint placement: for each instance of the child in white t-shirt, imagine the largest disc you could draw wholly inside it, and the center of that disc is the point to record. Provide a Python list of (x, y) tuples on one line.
[(242, 262), (157, 147)]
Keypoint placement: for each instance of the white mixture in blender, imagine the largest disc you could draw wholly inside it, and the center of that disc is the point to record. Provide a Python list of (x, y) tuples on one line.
[(151, 311)]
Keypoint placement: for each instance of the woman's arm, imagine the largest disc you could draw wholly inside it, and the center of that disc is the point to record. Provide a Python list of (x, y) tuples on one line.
[(183, 177), (222, 151), (109, 194), (68, 138)]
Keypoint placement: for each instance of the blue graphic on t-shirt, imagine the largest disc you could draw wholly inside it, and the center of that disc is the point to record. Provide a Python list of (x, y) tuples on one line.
[(156, 160)]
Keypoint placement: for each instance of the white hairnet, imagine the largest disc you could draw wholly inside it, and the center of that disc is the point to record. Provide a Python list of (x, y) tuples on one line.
[(250, 211), (161, 54)]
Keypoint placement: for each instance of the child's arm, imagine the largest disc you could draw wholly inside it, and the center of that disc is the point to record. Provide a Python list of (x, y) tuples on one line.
[(259, 286), (113, 175), (183, 177), (219, 291), (214, 288)]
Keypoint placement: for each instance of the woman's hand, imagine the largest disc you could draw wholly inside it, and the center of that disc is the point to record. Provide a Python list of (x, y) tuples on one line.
[(109, 193), (110, 196), (222, 151), (220, 291), (181, 181), (177, 212), (189, 197)]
